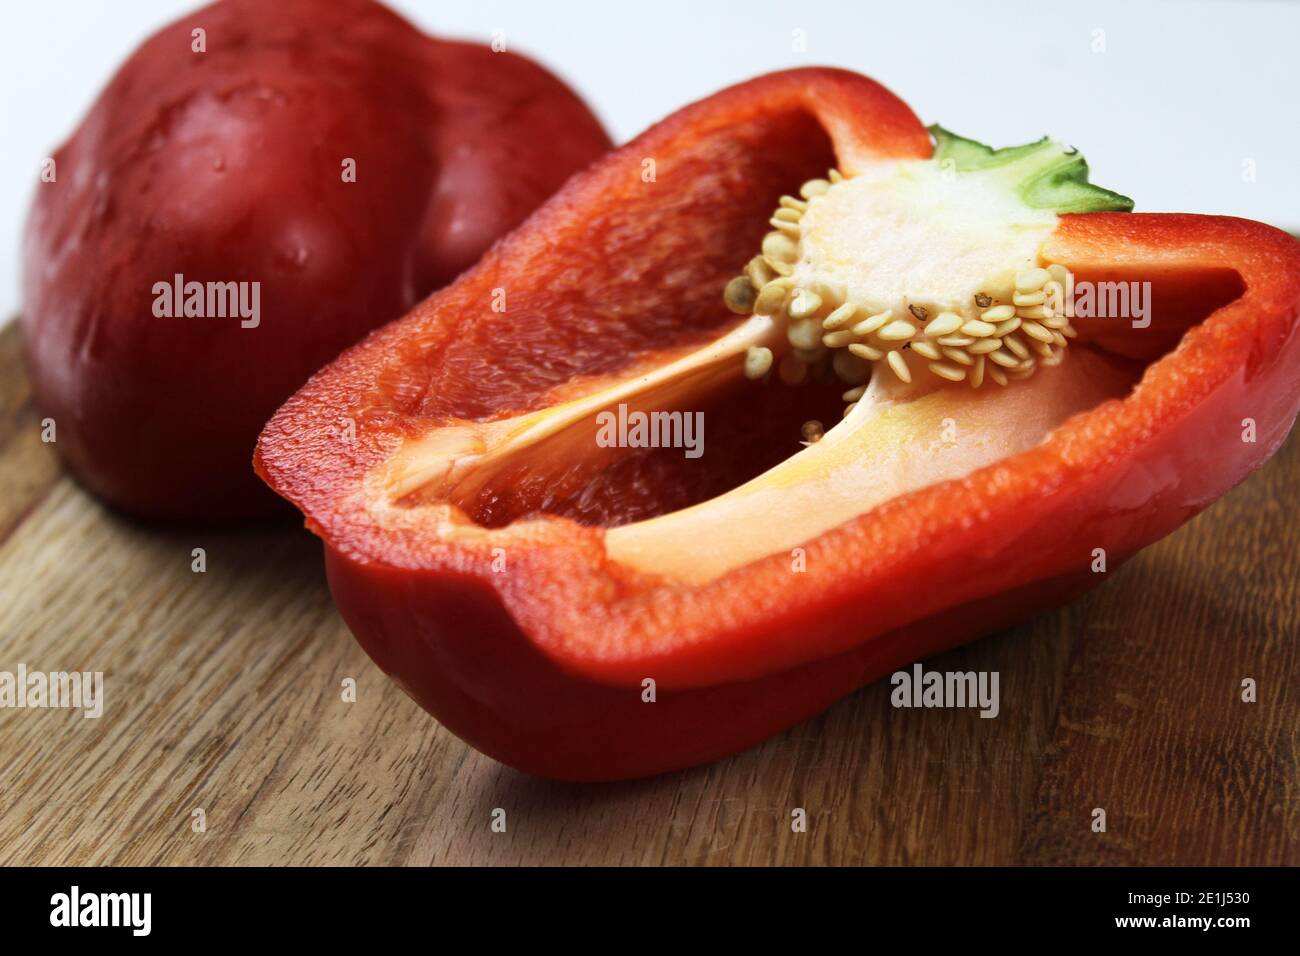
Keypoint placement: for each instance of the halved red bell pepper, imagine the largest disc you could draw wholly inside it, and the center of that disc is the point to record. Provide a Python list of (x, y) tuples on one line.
[(478, 546)]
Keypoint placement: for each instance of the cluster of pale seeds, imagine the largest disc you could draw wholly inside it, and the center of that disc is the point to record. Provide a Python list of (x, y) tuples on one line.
[(1000, 341)]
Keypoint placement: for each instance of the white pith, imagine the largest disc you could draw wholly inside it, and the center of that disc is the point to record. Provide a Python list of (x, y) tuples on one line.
[(907, 232)]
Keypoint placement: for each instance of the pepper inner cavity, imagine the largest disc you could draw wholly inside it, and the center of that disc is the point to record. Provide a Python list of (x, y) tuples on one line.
[(908, 270)]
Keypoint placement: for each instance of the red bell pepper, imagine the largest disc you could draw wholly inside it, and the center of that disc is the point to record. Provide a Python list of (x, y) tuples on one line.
[(324, 155), (479, 551)]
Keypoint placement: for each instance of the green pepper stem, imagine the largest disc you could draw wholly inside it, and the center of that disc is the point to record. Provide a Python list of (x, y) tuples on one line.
[(1045, 174)]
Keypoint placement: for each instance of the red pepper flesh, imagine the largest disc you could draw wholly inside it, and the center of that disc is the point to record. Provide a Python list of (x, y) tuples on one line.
[(541, 663)]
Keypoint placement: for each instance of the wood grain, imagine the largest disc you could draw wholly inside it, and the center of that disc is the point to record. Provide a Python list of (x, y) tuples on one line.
[(223, 692)]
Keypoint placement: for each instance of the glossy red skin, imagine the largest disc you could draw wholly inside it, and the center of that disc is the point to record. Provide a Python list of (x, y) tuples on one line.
[(542, 666), (227, 166)]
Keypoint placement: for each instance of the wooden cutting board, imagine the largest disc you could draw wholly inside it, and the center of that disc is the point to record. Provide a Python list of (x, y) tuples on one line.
[(223, 693)]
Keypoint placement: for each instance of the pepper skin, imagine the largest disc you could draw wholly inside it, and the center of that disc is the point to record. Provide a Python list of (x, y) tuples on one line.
[(228, 165), (519, 633)]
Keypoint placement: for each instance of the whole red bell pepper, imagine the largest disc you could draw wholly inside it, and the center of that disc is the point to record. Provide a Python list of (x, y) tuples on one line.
[(508, 570), (323, 158)]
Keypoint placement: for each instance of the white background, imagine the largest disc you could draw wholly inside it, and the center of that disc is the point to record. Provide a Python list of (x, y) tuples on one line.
[(1182, 95)]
